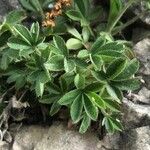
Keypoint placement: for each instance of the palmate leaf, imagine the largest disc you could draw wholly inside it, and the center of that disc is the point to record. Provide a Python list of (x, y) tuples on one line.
[(76, 109), (90, 109)]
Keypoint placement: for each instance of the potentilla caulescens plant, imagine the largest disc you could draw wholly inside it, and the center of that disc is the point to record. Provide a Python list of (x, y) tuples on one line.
[(66, 61)]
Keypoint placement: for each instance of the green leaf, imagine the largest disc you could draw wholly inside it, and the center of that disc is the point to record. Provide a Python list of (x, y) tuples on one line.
[(116, 124), (49, 99), (94, 87), (90, 109), (76, 109), (15, 16), (54, 108), (112, 105), (39, 88), (130, 69), (16, 43), (112, 46), (26, 4), (35, 30), (85, 124), (99, 42), (115, 8), (69, 97), (74, 44), (55, 50), (60, 44), (83, 54), (81, 7), (85, 34), (115, 68), (24, 33), (69, 65), (96, 61), (79, 81), (80, 63), (55, 63), (74, 15), (110, 55), (130, 84), (108, 125), (99, 102), (74, 32), (5, 60), (111, 91), (99, 76)]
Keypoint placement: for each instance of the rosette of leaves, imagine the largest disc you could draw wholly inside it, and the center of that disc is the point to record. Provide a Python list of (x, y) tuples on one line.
[(87, 74)]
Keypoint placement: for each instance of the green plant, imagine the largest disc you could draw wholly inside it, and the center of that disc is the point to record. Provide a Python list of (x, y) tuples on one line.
[(76, 68)]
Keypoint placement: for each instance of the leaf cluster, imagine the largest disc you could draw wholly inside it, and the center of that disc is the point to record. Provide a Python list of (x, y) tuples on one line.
[(76, 68)]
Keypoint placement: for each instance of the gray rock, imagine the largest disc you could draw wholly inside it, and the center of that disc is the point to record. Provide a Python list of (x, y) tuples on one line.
[(144, 96), (4, 145), (56, 137), (6, 6), (135, 115), (136, 139), (140, 7), (142, 50)]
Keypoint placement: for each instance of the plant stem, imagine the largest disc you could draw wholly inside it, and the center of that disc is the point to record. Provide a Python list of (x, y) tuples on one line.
[(130, 2), (118, 29), (92, 33)]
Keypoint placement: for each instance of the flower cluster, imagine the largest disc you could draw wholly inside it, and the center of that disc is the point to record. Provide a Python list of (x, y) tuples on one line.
[(56, 11)]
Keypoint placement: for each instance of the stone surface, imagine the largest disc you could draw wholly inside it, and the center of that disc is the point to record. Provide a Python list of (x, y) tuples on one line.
[(143, 96), (56, 137), (136, 139), (140, 7), (6, 6), (4, 145), (135, 115), (142, 49)]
